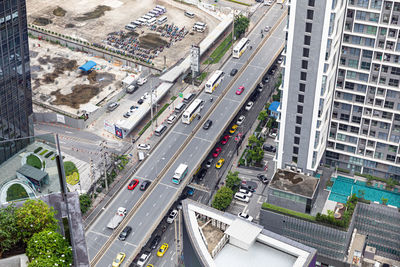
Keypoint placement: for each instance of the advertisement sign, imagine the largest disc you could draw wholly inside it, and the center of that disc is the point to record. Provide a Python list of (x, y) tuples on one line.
[(60, 118), (195, 58), (118, 132), (109, 127)]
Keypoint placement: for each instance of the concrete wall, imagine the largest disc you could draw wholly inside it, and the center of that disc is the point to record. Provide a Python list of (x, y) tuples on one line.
[(285, 203)]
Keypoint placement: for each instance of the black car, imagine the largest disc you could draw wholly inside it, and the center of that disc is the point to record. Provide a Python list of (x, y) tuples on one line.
[(263, 178), (140, 101), (207, 125), (202, 174), (124, 234), (248, 188), (154, 243), (144, 185), (266, 79), (269, 148), (233, 72)]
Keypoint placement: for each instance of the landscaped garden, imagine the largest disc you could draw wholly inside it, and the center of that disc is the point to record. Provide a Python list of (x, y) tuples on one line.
[(34, 161), (16, 192), (71, 173)]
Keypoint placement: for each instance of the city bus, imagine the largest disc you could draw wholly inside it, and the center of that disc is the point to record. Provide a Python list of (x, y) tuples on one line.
[(192, 111), (180, 173), (240, 47), (214, 81)]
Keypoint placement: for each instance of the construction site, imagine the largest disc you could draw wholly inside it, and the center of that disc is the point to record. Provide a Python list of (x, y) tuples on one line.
[(159, 44)]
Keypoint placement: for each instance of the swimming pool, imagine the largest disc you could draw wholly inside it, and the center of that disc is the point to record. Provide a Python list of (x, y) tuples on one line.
[(344, 187)]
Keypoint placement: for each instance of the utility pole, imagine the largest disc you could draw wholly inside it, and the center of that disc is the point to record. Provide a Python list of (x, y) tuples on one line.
[(178, 237), (91, 175), (151, 105), (103, 153), (233, 30)]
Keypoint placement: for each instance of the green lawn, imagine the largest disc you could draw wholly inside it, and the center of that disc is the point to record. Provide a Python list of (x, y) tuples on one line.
[(69, 168), (220, 51), (15, 192), (34, 161), (268, 206)]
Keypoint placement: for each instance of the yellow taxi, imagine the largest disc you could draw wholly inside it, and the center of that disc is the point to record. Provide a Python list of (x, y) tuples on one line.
[(219, 164), (150, 265), (119, 259), (162, 250), (233, 129)]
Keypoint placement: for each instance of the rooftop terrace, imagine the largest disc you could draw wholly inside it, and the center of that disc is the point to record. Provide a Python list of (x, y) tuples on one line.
[(294, 183)]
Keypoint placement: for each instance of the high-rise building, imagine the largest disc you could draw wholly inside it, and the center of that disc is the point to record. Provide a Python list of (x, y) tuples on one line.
[(364, 133), (314, 31), (15, 82), (341, 96)]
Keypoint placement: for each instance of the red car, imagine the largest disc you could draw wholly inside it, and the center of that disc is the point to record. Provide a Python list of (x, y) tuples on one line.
[(217, 152), (225, 139), (133, 184), (240, 90)]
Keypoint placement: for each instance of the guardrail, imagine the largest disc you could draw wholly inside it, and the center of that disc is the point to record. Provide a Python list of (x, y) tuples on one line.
[(173, 159)]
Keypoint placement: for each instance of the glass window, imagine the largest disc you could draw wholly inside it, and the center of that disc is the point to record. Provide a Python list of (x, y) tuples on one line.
[(371, 30)]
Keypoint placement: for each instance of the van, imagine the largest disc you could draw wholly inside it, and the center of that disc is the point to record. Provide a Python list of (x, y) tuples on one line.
[(141, 155), (159, 10), (162, 20), (142, 21), (160, 130), (198, 28), (131, 88), (130, 27), (180, 107), (146, 17), (162, 8), (151, 21), (155, 13), (189, 14), (188, 98), (200, 24), (136, 22), (150, 15)]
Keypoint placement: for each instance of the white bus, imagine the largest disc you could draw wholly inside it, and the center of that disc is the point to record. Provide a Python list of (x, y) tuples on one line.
[(192, 111), (180, 173), (240, 47), (214, 81), (162, 20)]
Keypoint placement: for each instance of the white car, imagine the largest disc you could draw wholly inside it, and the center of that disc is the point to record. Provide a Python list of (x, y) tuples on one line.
[(145, 96), (141, 81), (172, 216), (245, 216), (144, 258), (143, 146), (249, 105), (245, 192), (267, 28), (268, 3), (241, 197), (280, 59), (171, 119), (240, 120), (273, 135)]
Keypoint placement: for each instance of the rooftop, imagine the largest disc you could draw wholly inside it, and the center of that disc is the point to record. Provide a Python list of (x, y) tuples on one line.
[(294, 183), (239, 242)]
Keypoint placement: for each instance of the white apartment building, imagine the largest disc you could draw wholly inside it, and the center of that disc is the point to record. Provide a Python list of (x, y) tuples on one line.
[(364, 133), (314, 32), (341, 96)]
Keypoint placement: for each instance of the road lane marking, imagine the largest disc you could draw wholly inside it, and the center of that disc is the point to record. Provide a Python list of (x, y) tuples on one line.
[(147, 214), (259, 201), (154, 204)]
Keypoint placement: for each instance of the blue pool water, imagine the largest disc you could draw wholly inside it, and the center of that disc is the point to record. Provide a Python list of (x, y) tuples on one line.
[(344, 187)]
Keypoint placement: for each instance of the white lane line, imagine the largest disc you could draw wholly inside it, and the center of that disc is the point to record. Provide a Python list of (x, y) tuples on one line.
[(154, 205), (160, 195), (61, 142), (97, 233), (168, 186), (68, 132), (259, 200), (140, 223), (147, 214), (125, 201)]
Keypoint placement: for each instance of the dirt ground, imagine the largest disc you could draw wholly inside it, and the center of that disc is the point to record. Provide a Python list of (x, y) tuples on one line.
[(93, 20), (57, 81)]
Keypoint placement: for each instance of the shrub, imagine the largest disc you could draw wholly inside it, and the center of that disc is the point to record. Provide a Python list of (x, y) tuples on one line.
[(99, 189), (49, 154), (15, 192), (85, 202), (222, 198), (43, 152), (37, 149)]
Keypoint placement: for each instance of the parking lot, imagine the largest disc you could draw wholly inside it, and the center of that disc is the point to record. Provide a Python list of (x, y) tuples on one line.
[(83, 18)]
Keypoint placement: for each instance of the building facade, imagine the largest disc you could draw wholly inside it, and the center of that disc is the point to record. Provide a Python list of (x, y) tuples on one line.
[(314, 31), (15, 81), (364, 132)]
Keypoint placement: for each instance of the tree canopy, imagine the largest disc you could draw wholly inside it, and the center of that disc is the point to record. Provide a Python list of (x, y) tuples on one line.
[(232, 180), (9, 232), (241, 25), (33, 217), (222, 198)]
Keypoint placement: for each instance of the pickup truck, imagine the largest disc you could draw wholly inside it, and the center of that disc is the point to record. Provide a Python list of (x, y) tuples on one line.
[(117, 219)]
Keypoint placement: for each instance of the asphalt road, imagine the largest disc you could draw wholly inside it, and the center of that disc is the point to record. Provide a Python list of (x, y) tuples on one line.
[(146, 216)]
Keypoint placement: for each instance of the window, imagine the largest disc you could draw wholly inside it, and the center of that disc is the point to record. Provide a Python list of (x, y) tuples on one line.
[(297, 130), (307, 40), (299, 119), (344, 117), (389, 104), (311, 2), (360, 98), (296, 140), (308, 27), (367, 54), (371, 30), (300, 109), (353, 63), (295, 150), (294, 159), (302, 87), (310, 14), (304, 64), (301, 99), (303, 76), (306, 52)]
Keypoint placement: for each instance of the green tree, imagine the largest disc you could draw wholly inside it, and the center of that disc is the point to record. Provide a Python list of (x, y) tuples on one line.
[(263, 115), (49, 244), (253, 140), (85, 203), (33, 217), (222, 198), (384, 200), (241, 25), (9, 232), (233, 181), (45, 261)]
